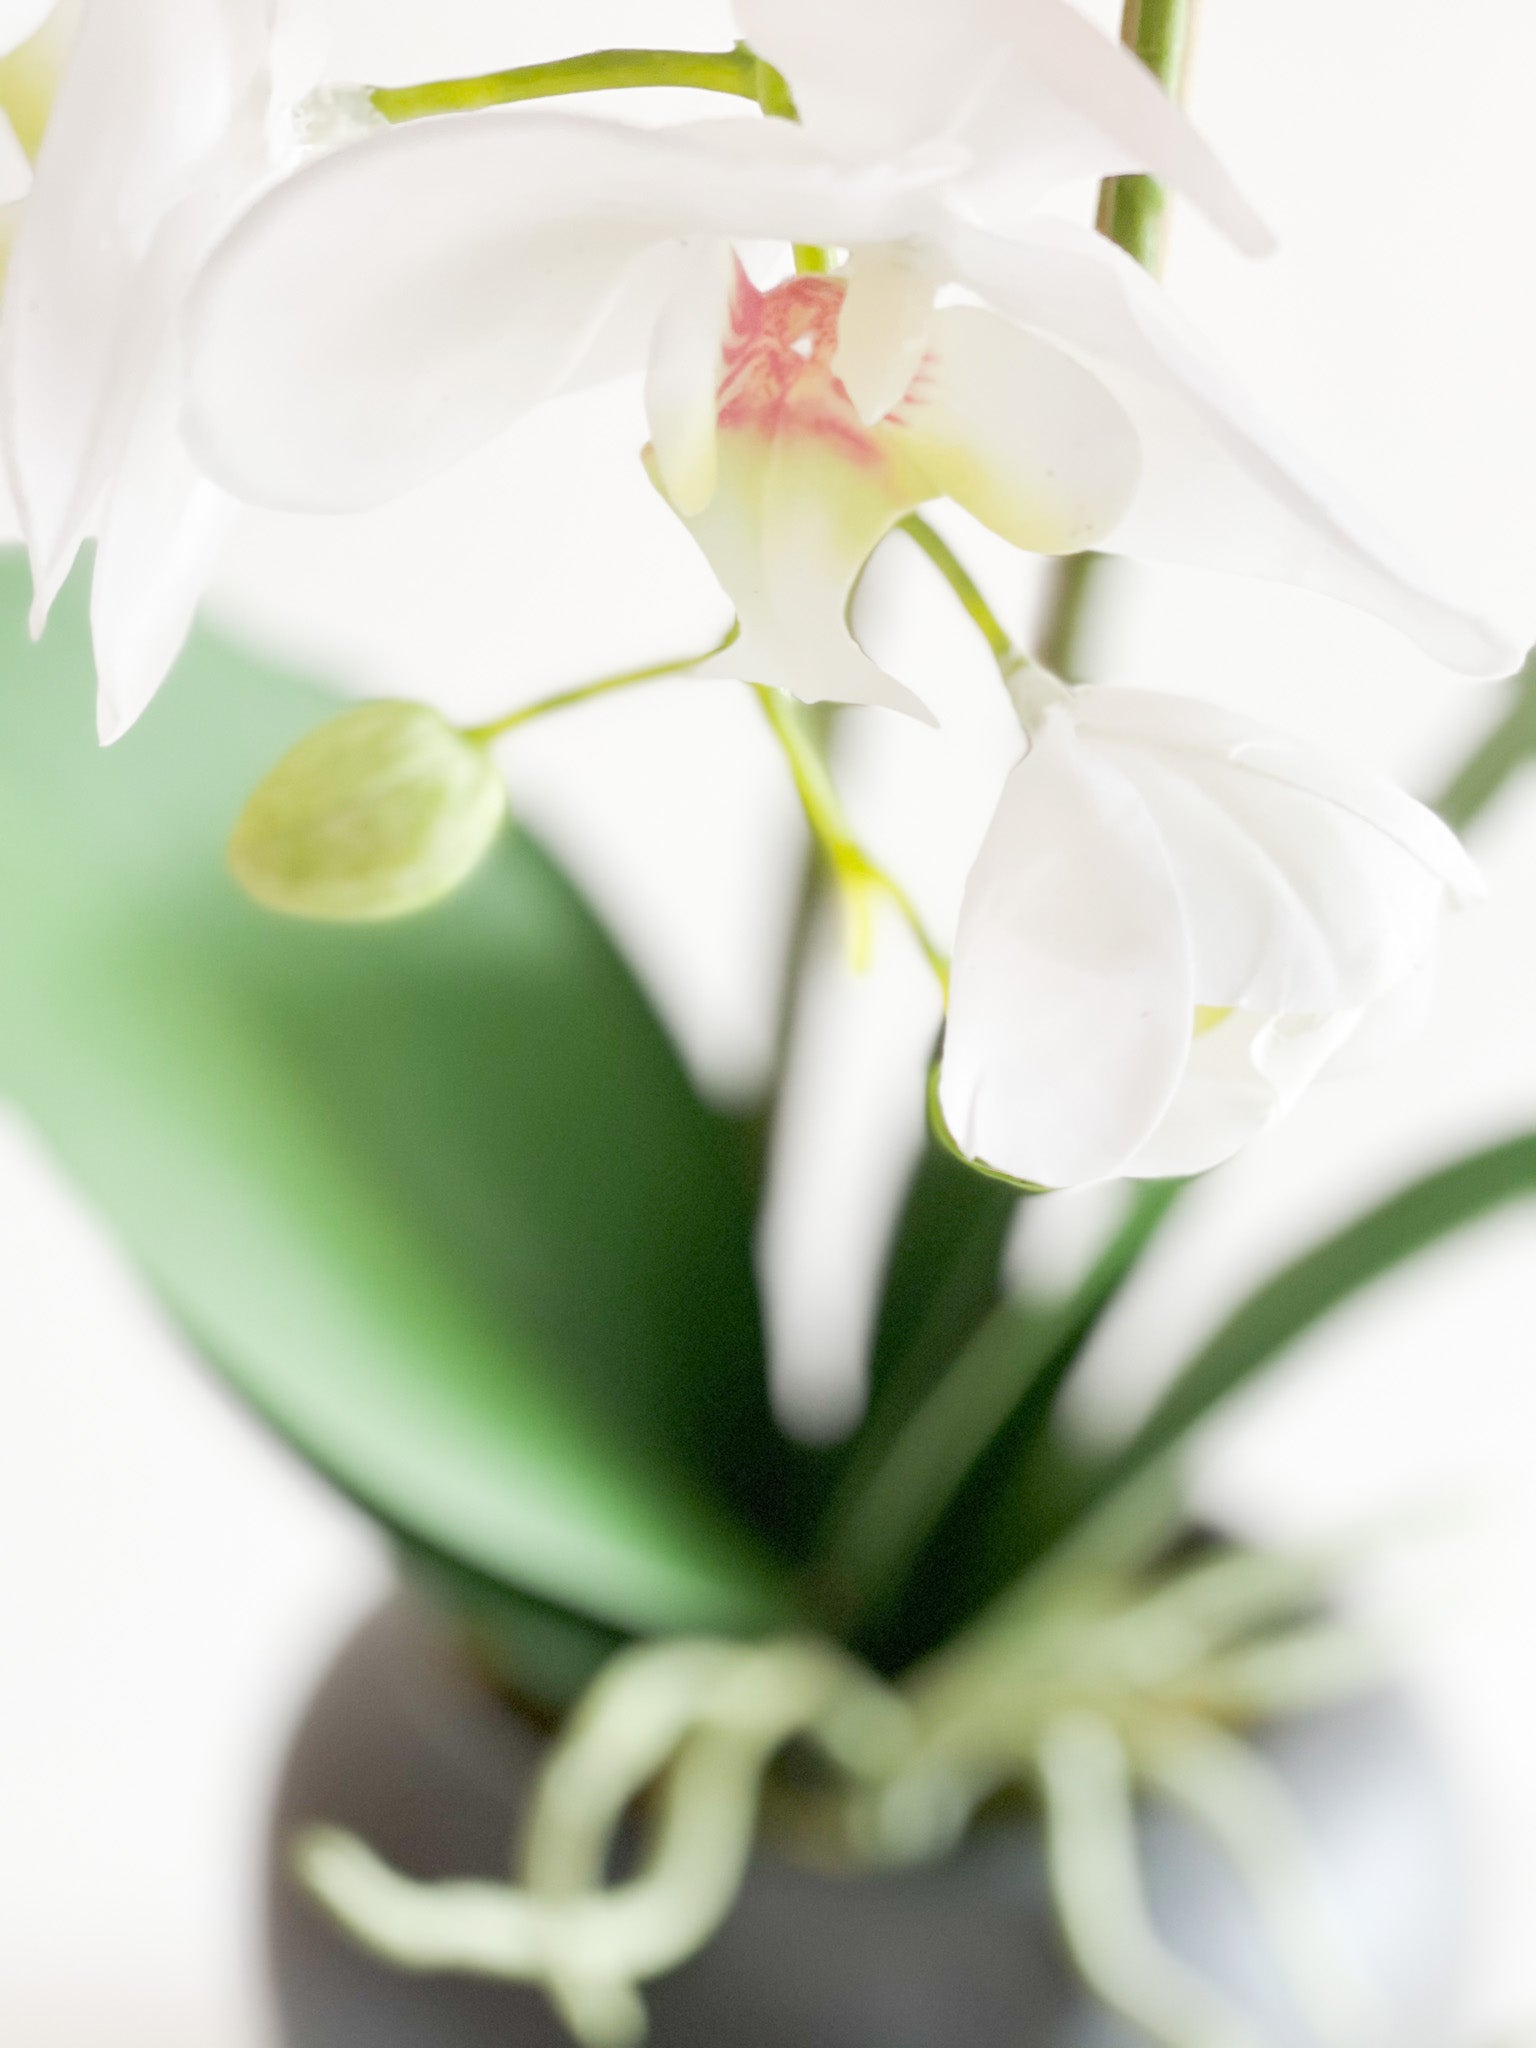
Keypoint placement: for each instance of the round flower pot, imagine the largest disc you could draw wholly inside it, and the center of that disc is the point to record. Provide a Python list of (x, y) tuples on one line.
[(404, 1744)]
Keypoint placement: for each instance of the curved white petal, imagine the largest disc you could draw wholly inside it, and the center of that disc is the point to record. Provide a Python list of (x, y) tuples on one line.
[(1017, 432), (1242, 1076), (20, 20), (1037, 93), (1158, 719), (390, 307), (1070, 1000), (162, 526), (150, 91), (804, 493), (1307, 887), (1219, 489), (682, 378), (884, 328), (787, 532), (15, 165)]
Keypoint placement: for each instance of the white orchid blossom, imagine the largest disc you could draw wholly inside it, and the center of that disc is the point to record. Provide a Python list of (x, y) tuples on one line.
[(383, 313), (170, 116), (1176, 920)]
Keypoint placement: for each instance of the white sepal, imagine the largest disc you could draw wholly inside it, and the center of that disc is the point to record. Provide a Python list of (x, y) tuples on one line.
[(1305, 903)]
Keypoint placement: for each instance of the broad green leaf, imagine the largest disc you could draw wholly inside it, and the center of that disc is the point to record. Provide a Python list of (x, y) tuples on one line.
[(380, 811), (435, 1195), (544, 1655), (1256, 1334)]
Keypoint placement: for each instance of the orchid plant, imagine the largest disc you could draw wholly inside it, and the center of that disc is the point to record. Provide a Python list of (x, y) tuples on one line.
[(540, 1364)]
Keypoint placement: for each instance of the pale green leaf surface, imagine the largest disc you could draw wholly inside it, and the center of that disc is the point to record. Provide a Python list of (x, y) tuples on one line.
[(435, 1196)]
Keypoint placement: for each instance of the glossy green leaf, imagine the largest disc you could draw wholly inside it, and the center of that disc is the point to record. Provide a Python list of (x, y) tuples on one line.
[(435, 1195), (382, 810)]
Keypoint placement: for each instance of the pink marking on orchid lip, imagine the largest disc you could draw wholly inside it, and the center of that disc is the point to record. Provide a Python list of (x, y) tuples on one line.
[(778, 375)]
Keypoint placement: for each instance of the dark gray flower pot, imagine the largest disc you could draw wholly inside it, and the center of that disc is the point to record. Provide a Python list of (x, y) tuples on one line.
[(402, 1744)]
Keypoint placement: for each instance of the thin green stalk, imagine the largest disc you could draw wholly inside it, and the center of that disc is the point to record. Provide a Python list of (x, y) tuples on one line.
[(854, 870), (963, 584), (1077, 587), (1507, 749), (736, 71), (583, 693), (1133, 212)]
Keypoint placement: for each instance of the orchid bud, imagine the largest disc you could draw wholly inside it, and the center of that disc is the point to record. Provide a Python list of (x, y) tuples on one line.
[(377, 813)]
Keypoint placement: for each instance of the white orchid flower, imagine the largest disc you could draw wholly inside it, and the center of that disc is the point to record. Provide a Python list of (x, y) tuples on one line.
[(386, 311), (170, 116), (1176, 920), (20, 20)]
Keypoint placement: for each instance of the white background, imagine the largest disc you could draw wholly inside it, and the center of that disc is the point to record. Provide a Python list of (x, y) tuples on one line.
[(170, 1580)]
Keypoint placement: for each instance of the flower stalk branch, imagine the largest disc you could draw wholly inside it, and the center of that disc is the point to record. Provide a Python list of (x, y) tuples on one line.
[(736, 71), (1133, 212), (583, 693), (963, 584), (860, 879)]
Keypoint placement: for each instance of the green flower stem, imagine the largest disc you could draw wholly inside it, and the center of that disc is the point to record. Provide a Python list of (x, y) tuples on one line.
[(857, 875), (736, 71), (961, 582), (1134, 213), (1508, 748), (583, 693)]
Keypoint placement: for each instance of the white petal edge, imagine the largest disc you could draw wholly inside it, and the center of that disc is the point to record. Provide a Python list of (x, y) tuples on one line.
[(20, 20), (682, 378), (334, 364), (1070, 1002), (80, 303), (1242, 1077), (1308, 886), (1038, 92), (1220, 489), (1023, 437)]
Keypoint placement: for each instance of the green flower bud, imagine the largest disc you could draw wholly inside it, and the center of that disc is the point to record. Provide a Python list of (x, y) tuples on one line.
[(379, 812)]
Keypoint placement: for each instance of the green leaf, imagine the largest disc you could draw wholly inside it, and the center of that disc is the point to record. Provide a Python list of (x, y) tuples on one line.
[(1309, 1289), (544, 1655), (943, 1275), (912, 1529), (435, 1195), (1508, 750), (380, 811)]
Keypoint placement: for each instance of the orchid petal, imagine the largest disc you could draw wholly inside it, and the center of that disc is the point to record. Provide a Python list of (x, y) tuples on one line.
[(20, 20), (883, 329), (787, 532), (1071, 999), (150, 90), (1307, 886), (1019, 434), (683, 373), (1242, 1076), (15, 165), (1218, 488), (1035, 92), (162, 526), (333, 365)]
